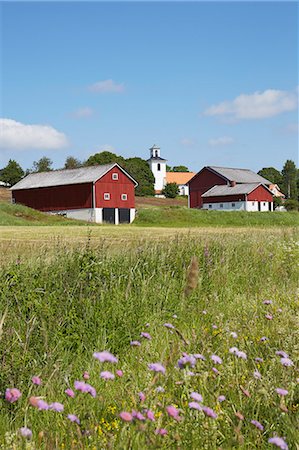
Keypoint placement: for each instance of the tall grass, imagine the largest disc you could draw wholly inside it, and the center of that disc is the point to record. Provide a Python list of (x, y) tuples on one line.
[(57, 312)]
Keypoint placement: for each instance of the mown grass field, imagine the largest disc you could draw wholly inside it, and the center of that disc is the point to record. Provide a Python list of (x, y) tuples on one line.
[(67, 292)]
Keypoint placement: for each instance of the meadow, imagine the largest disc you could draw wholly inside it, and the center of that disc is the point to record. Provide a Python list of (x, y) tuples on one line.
[(134, 337)]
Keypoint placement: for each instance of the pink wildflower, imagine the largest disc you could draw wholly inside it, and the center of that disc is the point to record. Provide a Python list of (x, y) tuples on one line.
[(58, 407), (161, 431), (107, 375), (86, 375), (157, 367), (36, 380), (195, 396), (105, 357), (73, 418), (141, 396), (137, 415), (150, 415), (195, 405), (169, 325), (216, 359), (221, 398), (209, 412), (126, 416), (70, 392), (146, 335), (172, 411), (257, 424), (119, 373), (12, 395), (281, 392), (287, 362), (279, 442), (42, 405), (25, 432), (216, 371), (135, 344), (257, 375), (269, 316)]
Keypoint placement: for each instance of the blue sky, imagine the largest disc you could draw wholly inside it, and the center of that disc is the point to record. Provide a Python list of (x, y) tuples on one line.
[(210, 83)]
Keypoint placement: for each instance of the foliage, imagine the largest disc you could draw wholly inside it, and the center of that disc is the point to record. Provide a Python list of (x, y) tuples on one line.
[(72, 163), (291, 205), (12, 173), (104, 158), (139, 169), (171, 190), (290, 179), (82, 301), (271, 174), (277, 201), (178, 169), (42, 165)]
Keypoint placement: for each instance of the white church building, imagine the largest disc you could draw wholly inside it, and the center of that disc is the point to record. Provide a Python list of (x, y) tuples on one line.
[(158, 167)]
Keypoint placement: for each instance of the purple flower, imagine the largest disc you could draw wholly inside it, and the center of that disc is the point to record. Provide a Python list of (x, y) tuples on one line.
[(145, 335), (234, 335), (282, 392), (195, 405), (172, 411), (267, 302), (36, 380), (216, 359), (73, 418), (241, 355), (263, 339), (42, 405), (58, 407), (199, 356), (150, 415), (216, 371), (169, 325), (156, 367), (126, 416), (25, 432), (186, 361), (233, 350), (141, 396), (161, 431), (279, 442), (209, 412), (70, 392), (195, 396), (221, 398), (86, 375), (107, 375), (119, 373), (12, 395), (281, 353), (214, 327), (105, 357), (287, 362), (135, 344), (257, 375), (85, 387), (260, 360), (257, 424), (137, 415), (269, 316), (160, 389)]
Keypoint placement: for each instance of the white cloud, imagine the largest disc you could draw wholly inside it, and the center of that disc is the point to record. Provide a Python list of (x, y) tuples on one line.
[(104, 86), (258, 105), (82, 112), (19, 136), (223, 140)]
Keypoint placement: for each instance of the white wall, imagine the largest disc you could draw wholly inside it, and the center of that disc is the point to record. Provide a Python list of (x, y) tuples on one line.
[(239, 206), (90, 214), (183, 189), (159, 175)]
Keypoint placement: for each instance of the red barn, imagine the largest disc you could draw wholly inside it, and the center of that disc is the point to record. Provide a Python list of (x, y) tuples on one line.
[(96, 194), (225, 188)]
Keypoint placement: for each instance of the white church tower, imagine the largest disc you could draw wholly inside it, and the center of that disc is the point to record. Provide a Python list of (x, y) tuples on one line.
[(158, 167)]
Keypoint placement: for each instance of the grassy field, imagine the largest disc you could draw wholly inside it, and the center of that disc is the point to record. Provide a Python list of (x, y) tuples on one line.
[(67, 292)]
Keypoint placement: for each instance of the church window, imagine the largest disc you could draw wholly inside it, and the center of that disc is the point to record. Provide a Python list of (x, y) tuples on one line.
[(159, 166)]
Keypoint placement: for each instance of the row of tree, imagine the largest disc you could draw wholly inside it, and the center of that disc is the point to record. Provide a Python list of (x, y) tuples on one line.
[(287, 179)]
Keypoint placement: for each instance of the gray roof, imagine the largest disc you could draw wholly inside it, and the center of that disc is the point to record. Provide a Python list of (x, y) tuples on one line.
[(223, 190), (63, 177), (239, 175)]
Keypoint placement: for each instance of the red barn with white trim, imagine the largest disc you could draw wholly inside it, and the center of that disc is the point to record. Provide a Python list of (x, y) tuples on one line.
[(225, 188), (97, 193)]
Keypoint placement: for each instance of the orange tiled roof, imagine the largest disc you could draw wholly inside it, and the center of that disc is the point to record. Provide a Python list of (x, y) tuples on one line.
[(179, 177)]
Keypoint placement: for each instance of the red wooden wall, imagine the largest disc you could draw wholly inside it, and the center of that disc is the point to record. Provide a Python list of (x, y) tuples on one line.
[(226, 198), (260, 194), (203, 181), (115, 188)]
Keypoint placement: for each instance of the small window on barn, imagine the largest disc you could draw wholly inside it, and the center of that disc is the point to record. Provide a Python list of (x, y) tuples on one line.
[(210, 206), (13, 200), (253, 203), (221, 205), (124, 196), (264, 203), (106, 196), (233, 205), (115, 176)]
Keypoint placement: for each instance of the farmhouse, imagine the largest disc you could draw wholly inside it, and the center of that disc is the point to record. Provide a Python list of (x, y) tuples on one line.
[(97, 194), (224, 188)]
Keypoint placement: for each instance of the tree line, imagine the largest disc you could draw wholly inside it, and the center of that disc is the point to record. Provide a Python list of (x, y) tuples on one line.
[(287, 179)]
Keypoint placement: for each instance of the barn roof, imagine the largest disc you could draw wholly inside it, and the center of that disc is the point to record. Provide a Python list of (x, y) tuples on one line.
[(179, 177), (67, 176), (239, 175), (223, 190)]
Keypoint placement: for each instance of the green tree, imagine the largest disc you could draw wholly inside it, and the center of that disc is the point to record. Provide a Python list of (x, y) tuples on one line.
[(12, 173), (139, 169), (290, 178), (180, 169), (42, 165), (271, 174), (72, 163), (171, 190), (104, 158)]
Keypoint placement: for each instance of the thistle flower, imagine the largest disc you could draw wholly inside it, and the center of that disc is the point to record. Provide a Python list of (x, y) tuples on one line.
[(157, 367), (195, 405), (172, 411), (216, 359), (195, 396), (209, 412), (12, 395), (42, 405), (105, 357), (73, 418), (281, 392), (137, 415), (58, 407), (279, 442), (145, 335), (287, 362), (186, 361), (36, 380), (150, 415), (85, 387), (241, 355), (257, 424), (126, 416), (281, 353), (106, 375), (25, 432), (135, 344), (192, 276), (70, 393)]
